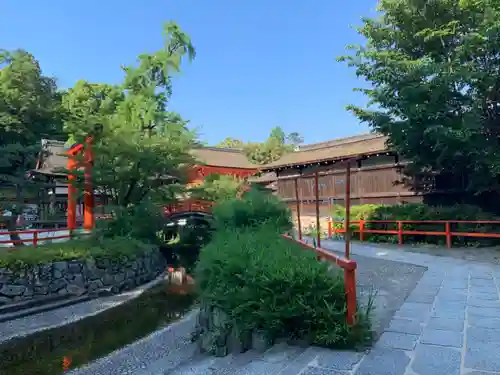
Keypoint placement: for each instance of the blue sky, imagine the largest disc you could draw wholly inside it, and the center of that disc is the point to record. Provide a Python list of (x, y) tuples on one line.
[(260, 63)]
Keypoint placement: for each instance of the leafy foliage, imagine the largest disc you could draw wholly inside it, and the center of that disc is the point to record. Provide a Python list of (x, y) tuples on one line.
[(433, 70), (141, 149), (253, 209), (267, 283), (275, 146), (217, 188)]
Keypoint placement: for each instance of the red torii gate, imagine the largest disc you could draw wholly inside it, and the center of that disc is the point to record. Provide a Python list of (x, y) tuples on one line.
[(85, 149)]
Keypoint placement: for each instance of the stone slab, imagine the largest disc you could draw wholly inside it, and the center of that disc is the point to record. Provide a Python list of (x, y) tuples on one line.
[(434, 360)]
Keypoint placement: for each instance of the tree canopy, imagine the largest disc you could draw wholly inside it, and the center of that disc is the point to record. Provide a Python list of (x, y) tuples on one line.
[(274, 147), (433, 71)]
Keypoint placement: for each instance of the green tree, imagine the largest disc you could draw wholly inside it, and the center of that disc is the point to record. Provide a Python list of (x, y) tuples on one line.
[(142, 150), (29, 111), (230, 142), (218, 188), (433, 71)]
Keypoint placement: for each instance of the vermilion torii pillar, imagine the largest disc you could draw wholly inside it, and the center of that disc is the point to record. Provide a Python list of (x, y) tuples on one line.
[(88, 200)]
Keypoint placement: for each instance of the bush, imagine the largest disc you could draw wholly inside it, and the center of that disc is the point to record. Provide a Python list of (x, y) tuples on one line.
[(254, 208), (116, 249), (142, 222), (423, 212), (269, 284)]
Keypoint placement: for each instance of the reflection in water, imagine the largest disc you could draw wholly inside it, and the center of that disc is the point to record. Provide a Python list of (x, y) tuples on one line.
[(53, 351)]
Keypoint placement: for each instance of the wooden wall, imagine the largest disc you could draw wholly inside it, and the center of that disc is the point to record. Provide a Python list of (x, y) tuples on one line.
[(374, 180)]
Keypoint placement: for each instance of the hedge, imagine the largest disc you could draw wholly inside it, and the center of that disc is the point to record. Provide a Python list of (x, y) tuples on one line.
[(116, 249), (268, 284), (421, 212)]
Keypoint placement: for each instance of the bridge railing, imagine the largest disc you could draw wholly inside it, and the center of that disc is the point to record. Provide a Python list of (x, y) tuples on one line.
[(363, 227), (349, 268), (189, 205)]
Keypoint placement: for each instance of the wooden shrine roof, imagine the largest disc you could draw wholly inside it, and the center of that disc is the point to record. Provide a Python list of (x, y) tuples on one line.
[(343, 148)]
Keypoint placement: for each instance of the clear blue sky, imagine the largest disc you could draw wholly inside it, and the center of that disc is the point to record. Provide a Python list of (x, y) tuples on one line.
[(260, 63)]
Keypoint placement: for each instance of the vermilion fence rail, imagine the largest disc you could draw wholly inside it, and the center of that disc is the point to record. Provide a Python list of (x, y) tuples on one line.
[(36, 238), (349, 267), (188, 206), (400, 230)]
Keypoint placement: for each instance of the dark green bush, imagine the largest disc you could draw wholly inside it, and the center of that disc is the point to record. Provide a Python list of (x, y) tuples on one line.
[(254, 208), (267, 283), (423, 212)]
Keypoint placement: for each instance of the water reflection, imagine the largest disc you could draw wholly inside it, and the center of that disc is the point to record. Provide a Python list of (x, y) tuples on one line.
[(53, 351)]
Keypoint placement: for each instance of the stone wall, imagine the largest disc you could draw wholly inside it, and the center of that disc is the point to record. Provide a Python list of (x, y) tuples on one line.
[(78, 277)]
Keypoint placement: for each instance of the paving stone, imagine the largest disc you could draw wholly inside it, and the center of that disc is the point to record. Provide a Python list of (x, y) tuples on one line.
[(453, 295), (485, 296), (339, 360), (474, 372), (396, 340), (450, 305), (421, 297), (483, 311), (442, 338), (483, 289), (436, 360), (409, 326), (281, 353), (384, 362), (482, 335), (416, 311), (449, 313), (484, 322), (297, 364), (476, 302), (313, 370), (483, 357), (481, 275), (258, 368), (448, 324)]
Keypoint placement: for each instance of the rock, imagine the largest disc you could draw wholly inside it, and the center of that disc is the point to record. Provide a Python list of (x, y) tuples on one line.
[(4, 300), (238, 341), (57, 274), (41, 290), (75, 290), (108, 279), (75, 267), (79, 280), (260, 342), (119, 277), (219, 319), (90, 265), (57, 285), (102, 263), (11, 290), (60, 266), (221, 351)]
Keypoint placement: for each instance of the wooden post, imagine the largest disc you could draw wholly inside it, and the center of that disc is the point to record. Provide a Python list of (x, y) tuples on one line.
[(347, 221), (88, 199), (297, 203), (318, 227)]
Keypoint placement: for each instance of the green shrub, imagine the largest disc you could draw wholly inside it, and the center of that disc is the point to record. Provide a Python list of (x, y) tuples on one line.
[(142, 222), (423, 212), (254, 208), (115, 249), (267, 283)]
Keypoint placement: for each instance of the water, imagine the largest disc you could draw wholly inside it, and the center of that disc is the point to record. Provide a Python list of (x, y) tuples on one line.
[(52, 351)]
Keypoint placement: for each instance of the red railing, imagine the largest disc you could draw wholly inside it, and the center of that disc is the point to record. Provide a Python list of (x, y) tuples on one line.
[(400, 231), (36, 238), (188, 206), (349, 267)]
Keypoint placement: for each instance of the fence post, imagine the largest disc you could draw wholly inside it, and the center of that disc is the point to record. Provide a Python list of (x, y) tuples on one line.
[(400, 233), (35, 239), (361, 230), (350, 290), (330, 229), (447, 229)]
